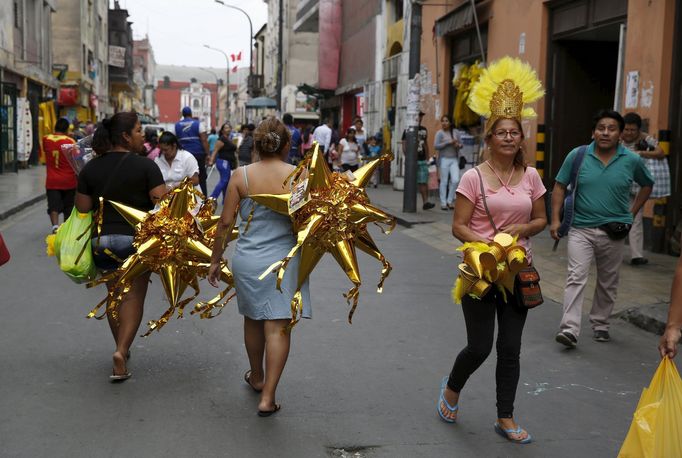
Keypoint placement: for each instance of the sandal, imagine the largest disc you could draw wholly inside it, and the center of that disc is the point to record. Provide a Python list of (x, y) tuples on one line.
[(506, 434), (247, 379), (267, 413), (119, 378), (443, 401)]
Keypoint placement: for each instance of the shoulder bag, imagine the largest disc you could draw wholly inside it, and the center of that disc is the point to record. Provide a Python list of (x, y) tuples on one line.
[(527, 282)]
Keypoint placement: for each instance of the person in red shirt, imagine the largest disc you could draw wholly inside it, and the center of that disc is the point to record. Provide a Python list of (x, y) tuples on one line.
[(61, 179)]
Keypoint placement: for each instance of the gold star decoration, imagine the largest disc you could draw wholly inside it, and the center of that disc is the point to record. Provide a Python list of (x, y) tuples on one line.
[(174, 241), (334, 219)]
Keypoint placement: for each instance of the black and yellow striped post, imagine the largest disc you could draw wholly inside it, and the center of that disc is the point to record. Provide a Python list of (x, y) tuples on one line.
[(540, 150), (658, 229)]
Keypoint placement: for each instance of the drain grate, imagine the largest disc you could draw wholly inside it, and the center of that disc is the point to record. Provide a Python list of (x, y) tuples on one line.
[(350, 452)]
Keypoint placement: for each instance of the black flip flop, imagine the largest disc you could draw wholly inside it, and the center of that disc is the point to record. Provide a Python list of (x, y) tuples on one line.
[(267, 413), (247, 379)]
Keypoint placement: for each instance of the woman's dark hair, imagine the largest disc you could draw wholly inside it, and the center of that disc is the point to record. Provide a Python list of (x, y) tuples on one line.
[(213, 131), (633, 118), (519, 158), (109, 132), (168, 138), (601, 114), (446, 116), (306, 134), (220, 132), (271, 137), (62, 125)]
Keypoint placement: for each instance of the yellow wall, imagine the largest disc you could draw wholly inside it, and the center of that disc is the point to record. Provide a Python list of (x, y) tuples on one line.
[(648, 50)]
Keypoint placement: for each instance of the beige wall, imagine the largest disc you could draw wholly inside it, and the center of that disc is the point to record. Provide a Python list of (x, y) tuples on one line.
[(649, 42), (66, 36)]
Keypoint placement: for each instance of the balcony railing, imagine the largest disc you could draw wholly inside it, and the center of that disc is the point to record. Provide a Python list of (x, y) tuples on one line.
[(391, 67)]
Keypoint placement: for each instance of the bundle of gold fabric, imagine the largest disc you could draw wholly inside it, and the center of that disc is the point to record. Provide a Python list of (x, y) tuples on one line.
[(488, 264), (174, 241), (330, 213)]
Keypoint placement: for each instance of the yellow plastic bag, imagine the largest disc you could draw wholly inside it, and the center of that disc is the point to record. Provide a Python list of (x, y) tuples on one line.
[(656, 429)]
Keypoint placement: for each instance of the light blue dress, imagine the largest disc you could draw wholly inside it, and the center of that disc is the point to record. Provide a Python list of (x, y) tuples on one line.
[(268, 239)]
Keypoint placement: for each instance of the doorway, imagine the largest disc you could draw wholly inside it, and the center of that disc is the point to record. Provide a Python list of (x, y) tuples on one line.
[(585, 70)]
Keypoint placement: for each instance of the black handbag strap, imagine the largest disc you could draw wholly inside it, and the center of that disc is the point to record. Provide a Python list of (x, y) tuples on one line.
[(485, 204)]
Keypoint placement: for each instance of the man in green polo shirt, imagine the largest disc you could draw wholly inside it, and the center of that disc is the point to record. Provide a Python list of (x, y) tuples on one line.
[(602, 209)]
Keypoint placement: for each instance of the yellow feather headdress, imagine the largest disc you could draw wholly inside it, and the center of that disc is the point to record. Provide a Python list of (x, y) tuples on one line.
[(503, 91)]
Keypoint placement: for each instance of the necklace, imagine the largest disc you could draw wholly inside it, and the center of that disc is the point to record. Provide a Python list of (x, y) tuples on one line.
[(504, 184)]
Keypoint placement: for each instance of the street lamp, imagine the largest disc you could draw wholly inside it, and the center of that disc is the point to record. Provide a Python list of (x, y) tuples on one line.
[(250, 39), (217, 95), (227, 80)]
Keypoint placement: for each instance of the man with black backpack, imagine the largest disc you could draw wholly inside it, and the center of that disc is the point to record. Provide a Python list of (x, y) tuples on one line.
[(602, 216)]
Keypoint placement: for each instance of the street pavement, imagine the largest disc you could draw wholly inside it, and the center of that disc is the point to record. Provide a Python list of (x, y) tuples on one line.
[(364, 390)]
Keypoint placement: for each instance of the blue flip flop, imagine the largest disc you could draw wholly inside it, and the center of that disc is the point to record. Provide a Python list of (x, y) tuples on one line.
[(441, 399), (506, 432)]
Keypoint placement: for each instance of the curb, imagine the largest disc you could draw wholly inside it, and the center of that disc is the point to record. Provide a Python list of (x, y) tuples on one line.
[(651, 318), (21, 205)]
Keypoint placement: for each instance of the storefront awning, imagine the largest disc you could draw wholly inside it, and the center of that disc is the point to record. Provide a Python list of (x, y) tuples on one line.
[(461, 18)]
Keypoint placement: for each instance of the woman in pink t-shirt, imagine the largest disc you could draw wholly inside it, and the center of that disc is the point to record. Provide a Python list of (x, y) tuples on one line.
[(514, 194)]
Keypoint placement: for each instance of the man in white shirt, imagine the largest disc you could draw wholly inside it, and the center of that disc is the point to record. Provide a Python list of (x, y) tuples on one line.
[(323, 134), (176, 164)]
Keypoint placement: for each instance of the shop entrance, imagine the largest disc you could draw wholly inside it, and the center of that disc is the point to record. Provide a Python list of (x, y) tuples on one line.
[(584, 82)]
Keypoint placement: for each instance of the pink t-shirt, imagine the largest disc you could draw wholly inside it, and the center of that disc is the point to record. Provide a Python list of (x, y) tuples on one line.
[(506, 207)]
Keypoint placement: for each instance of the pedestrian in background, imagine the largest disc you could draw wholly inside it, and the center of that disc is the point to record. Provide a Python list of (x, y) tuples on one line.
[(264, 238), (151, 143), (245, 151), (373, 152), (212, 138), (191, 134), (175, 163), (306, 140), (323, 136), (422, 162), (295, 146), (447, 145), (654, 158), (225, 158), (349, 151), (60, 181), (360, 135), (603, 213), (120, 173)]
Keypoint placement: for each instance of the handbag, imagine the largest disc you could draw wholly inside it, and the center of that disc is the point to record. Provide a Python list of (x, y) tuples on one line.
[(462, 162), (615, 230), (4, 252), (527, 282)]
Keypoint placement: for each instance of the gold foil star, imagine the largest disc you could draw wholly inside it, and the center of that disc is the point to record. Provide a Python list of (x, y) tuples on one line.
[(333, 219), (175, 242)]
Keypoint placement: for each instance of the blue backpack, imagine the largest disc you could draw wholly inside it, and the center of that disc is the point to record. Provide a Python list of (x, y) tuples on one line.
[(568, 209)]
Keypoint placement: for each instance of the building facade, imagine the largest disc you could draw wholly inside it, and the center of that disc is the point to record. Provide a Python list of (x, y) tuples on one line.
[(27, 86), (590, 54), (122, 89), (144, 76), (81, 58)]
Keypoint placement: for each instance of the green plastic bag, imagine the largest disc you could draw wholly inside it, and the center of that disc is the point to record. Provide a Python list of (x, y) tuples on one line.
[(656, 429), (72, 247)]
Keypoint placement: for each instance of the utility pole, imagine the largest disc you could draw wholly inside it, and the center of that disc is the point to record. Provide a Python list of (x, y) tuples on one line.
[(280, 69), (412, 133)]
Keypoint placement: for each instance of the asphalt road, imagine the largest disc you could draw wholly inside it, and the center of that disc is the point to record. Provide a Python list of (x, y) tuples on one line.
[(366, 390)]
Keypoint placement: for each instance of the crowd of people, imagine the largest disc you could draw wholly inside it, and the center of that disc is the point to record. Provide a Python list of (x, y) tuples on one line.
[(617, 172)]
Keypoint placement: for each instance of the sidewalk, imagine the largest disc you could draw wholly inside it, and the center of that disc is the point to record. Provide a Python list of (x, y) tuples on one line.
[(19, 190), (643, 293)]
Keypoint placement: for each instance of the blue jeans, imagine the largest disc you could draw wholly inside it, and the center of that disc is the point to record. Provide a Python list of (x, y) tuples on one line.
[(119, 245), (223, 167), (449, 166)]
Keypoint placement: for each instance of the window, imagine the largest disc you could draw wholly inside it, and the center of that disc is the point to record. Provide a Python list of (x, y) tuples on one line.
[(166, 81), (398, 5), (17, 14)]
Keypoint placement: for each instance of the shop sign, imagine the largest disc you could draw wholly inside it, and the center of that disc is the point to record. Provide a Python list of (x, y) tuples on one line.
[(117, 56), (68, 96)]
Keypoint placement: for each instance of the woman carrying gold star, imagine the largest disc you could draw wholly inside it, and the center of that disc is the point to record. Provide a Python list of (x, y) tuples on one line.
[(501, 194), (265, 237), (119, 173)]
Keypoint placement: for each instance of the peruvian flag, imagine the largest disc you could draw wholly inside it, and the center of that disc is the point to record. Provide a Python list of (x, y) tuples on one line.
[(236, 57), (234, 69)]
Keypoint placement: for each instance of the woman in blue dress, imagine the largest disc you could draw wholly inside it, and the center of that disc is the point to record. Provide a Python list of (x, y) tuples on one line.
[(265, 237)]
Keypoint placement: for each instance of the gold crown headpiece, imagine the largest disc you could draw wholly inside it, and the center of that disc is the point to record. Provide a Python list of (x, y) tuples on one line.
[(503, 90)]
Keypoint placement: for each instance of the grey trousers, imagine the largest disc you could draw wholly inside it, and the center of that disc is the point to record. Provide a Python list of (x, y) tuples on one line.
[(584, 245), (636, 235)]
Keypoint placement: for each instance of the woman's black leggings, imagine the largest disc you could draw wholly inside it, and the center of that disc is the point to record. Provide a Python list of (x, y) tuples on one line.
[(479, 315)]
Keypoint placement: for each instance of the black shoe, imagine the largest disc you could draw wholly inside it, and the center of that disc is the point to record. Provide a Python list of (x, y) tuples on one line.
[(639, 261), (601, 336), (428, 205), (567, 339), (445, 208)]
